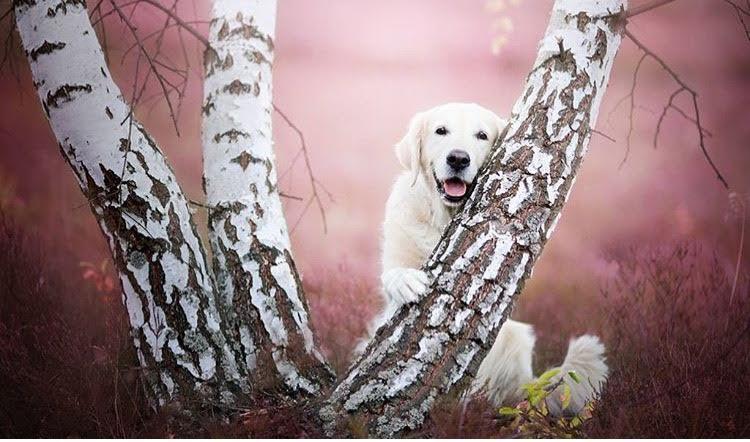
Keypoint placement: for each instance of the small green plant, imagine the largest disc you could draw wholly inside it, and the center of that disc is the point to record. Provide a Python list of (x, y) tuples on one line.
[(531, 417)]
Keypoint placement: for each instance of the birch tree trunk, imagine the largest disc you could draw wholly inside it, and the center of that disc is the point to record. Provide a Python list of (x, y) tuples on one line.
[(138, 204), (256, 277), (435, 347)]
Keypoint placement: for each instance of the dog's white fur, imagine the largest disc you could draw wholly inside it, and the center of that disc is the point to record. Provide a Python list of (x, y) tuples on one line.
[(416, 214)]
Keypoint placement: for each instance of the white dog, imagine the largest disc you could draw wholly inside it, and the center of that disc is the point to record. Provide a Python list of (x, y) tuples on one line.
[(441, 154)]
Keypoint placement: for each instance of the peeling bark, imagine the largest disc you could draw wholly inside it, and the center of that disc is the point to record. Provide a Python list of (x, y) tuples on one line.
[(167, 290), (261, 293), (434, 348)]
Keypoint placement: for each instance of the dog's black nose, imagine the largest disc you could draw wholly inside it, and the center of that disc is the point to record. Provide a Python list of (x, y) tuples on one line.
[(458, 159)]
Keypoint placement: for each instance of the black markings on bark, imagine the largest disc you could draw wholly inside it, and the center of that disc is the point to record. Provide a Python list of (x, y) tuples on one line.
[(46, 48), (256, 57), (150, 141), (208, 106), (137, 206), (65, 93), (258, 209), (231, 273), (564, 60), (237, 87), (244, 159), (233, 135), (246, 31), (160, 191), (23, 3), (601, 47), (63, 7), (582, 20), (569, 113), (212, 62), (124, 145)]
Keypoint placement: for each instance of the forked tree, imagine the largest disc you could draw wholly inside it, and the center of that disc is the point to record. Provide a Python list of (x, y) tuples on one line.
[(217, 332)]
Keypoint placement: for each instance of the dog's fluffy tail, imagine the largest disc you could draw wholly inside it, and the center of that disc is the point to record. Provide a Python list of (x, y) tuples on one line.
[(586, 358)]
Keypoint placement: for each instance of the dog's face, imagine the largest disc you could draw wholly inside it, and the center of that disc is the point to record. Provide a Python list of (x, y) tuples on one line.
[(447, 145)]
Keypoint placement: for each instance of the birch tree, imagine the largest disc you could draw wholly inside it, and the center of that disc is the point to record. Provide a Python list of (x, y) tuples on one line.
[(478, 268), (166, 285), (213, 333), (196, 339), (255, 274)]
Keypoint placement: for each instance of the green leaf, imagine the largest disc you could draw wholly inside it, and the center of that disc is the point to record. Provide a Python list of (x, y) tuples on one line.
[(549, 374), (573, 375), (566, 396), (508, 411)]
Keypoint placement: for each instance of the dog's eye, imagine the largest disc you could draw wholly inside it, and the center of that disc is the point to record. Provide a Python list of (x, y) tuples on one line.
[(481, 135), (441, 130)]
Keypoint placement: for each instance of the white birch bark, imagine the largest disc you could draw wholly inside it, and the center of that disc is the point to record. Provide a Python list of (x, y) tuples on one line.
[(432, 348), (256, 277), (138, 204)]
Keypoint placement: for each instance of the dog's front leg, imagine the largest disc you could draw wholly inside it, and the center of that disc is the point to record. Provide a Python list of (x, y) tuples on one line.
[(404, 285)]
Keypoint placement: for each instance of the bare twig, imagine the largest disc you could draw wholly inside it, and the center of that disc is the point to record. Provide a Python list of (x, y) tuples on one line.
[(315, 184), (670, 104), (291, 197), (7, 13), (164, 84), (603, 135), (169, 12), (159, 66), (683, 87), (209, 207), (632, 12), (738, 8), (742, 14), (97, 10), (631, 96)]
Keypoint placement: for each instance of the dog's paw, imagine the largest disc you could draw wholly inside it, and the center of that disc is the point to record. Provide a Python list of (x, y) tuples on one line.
[(404, 285)]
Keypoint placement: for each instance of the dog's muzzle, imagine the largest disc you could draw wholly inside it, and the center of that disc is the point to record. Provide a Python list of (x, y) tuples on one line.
[(453, 189)]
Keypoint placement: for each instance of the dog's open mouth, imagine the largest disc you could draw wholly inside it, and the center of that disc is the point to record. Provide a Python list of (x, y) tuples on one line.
[(453, 189)]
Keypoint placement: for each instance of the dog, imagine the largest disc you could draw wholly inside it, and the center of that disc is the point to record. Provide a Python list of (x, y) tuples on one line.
[(441, 154)]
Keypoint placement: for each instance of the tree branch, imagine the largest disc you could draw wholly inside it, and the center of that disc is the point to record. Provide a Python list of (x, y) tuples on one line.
[(632, 12), (314, 182), (694, 98)]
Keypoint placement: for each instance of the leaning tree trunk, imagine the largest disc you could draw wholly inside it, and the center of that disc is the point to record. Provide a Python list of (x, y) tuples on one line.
[(434, 347), (138, 204), (256, 277)]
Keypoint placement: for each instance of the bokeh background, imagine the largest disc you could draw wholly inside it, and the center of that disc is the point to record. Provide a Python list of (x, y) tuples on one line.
[(349, 74)]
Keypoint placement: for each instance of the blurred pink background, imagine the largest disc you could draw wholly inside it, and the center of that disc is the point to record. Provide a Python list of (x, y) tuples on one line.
[(351, 73)]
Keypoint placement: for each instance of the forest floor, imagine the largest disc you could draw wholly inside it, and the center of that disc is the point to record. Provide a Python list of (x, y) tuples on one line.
[(675, 329)]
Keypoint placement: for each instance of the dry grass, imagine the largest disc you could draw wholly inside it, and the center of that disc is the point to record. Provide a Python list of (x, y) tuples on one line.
[(65, 356), (677, 347)]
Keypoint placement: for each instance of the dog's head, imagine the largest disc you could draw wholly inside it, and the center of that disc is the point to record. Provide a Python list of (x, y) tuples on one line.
[(447, 145)]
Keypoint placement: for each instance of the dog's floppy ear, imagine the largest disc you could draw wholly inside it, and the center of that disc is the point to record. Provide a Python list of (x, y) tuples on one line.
[(409, 149)]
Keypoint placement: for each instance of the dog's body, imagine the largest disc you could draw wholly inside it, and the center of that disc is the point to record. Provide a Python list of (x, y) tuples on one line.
[(441, 155)]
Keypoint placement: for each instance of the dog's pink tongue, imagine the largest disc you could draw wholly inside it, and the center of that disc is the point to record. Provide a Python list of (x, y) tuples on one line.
[(454, 187)]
